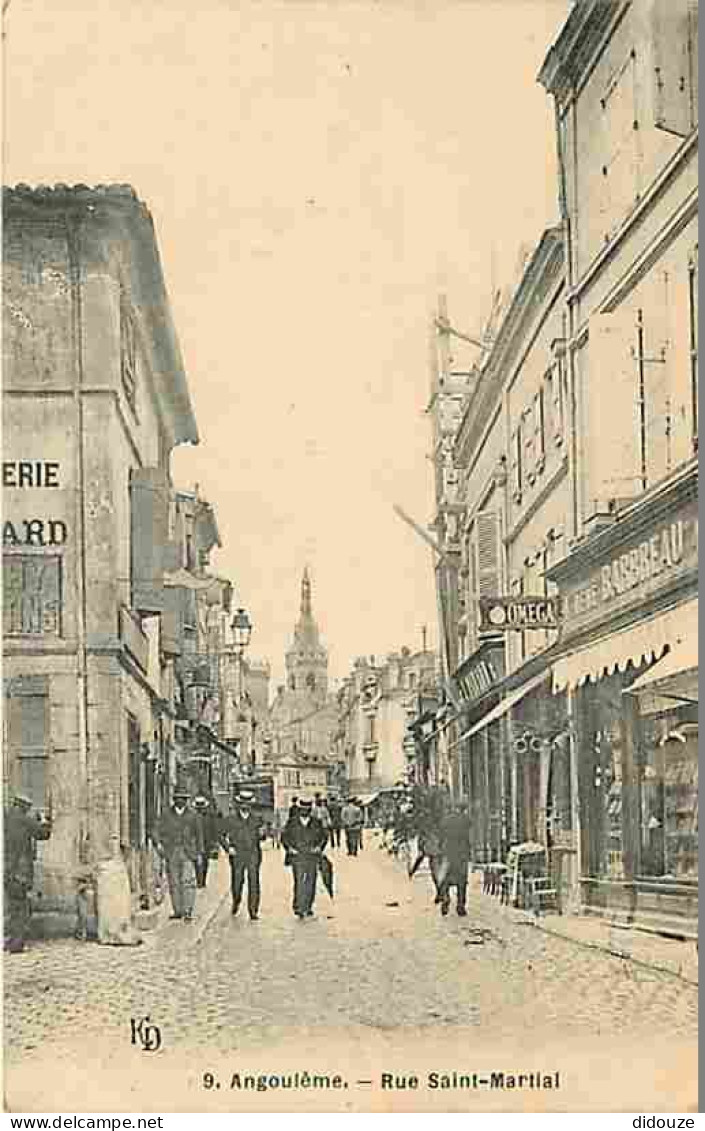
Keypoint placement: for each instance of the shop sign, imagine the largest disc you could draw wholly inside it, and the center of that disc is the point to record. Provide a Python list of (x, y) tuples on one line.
[(501, 614), (31, 595), (480, 673), (645, 566)]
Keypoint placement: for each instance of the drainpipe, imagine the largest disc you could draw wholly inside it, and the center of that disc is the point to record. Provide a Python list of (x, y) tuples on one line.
[(85, 844)]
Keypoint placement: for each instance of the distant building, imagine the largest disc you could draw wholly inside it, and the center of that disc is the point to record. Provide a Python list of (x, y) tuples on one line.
[(302, 716), (377, 703)]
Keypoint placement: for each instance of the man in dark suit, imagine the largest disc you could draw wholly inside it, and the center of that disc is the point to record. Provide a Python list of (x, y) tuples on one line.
[(181, 841), (455, 849), (304, 839), (242, 839), (22, 829)]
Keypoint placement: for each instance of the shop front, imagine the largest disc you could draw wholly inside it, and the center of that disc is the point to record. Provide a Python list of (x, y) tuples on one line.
[(628, 663)]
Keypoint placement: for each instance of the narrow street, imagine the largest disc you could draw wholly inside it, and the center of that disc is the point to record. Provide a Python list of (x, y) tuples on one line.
[(377, 982)]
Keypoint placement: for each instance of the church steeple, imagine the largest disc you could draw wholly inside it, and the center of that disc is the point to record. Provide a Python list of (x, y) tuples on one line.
[(307, 658), (306, 594)]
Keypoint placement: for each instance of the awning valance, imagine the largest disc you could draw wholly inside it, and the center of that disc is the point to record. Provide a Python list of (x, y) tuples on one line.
[(641, 643), (673, 680), (502, 708)]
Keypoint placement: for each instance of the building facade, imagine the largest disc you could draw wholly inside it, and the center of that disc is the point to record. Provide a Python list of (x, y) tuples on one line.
[(574, 467), (377, 704), (624, 82), (100, 554)]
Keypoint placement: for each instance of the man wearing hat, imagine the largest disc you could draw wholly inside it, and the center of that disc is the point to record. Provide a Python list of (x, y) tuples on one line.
[(304, 838), (22, 830), (241, 837), (181, 841), (205, 810)]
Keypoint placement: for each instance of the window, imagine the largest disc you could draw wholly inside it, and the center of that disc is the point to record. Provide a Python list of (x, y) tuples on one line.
[(539, 439), (621, 146), (555, 396), (128, 354), (27, 740), (485, 567), (674, 65), (527, 429), (693, 340), (134, 782)]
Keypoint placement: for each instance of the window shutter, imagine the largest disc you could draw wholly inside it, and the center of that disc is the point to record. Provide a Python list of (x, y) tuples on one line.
[(516, 464), (539, 444), (612, 464), (489, 556), (148, 531), (172, 621), (529, 445), (672, 65)]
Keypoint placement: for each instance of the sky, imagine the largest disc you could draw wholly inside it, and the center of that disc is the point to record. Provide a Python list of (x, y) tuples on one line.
[(318, 172)]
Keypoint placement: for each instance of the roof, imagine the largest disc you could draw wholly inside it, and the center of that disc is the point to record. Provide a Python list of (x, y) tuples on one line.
[(112, 227)]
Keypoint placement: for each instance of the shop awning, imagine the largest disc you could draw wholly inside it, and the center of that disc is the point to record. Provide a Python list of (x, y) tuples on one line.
[(502, 708), (642, 642), (673, 680)]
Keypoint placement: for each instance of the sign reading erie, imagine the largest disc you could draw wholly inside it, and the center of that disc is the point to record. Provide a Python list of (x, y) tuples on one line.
[(32, 473)]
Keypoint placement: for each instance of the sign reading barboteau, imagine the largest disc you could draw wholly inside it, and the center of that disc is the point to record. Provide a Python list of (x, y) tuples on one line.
[(652, 560)]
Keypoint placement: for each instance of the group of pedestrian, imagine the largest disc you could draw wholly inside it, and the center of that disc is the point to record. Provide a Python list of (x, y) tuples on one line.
[(442, 837)]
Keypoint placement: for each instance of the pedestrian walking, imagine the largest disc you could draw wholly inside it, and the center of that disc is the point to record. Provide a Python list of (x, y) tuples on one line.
[(455, 848), (181, 842), (320, 812), (207, 814), (22, 830), (304, 839), (334, 810), (430, 848), (242, 840), (352, 823)]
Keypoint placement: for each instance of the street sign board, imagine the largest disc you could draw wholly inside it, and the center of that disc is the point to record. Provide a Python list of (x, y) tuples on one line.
[(501, 614)]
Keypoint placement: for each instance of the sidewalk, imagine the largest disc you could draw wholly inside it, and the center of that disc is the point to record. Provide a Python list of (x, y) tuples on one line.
[(667, 955)]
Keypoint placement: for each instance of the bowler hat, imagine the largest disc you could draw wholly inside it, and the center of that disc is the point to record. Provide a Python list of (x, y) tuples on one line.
[(245, 796), (305, 803)]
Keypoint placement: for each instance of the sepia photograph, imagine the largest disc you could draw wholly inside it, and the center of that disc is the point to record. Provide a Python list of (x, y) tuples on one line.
[(350, 557)]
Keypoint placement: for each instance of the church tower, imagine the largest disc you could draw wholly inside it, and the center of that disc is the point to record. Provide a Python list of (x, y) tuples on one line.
[(307, 659)]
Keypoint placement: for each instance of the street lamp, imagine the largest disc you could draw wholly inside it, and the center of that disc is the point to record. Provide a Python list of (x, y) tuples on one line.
[(242, 630), (241, 626)]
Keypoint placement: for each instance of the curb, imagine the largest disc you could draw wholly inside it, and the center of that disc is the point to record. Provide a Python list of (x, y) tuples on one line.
[(606, 949)]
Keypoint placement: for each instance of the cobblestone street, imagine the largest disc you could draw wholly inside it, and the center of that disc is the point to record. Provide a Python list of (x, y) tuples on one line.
[(377, 982)]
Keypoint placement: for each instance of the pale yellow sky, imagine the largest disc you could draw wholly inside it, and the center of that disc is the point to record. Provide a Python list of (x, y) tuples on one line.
[(317, 171)]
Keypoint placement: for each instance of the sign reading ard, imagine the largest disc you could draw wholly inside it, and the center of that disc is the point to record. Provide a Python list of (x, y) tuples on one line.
[(501, 614)]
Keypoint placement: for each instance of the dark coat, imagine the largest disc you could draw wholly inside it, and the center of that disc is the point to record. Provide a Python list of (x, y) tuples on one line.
[(304, 839), (21, 832), (244, 836), (455, 837), (181, 832)]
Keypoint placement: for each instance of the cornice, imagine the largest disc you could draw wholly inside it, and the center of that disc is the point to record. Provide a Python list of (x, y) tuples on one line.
[(572, 52), (545, 267)]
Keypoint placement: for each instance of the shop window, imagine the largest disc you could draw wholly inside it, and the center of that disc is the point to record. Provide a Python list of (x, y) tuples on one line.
[(669, 797)]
